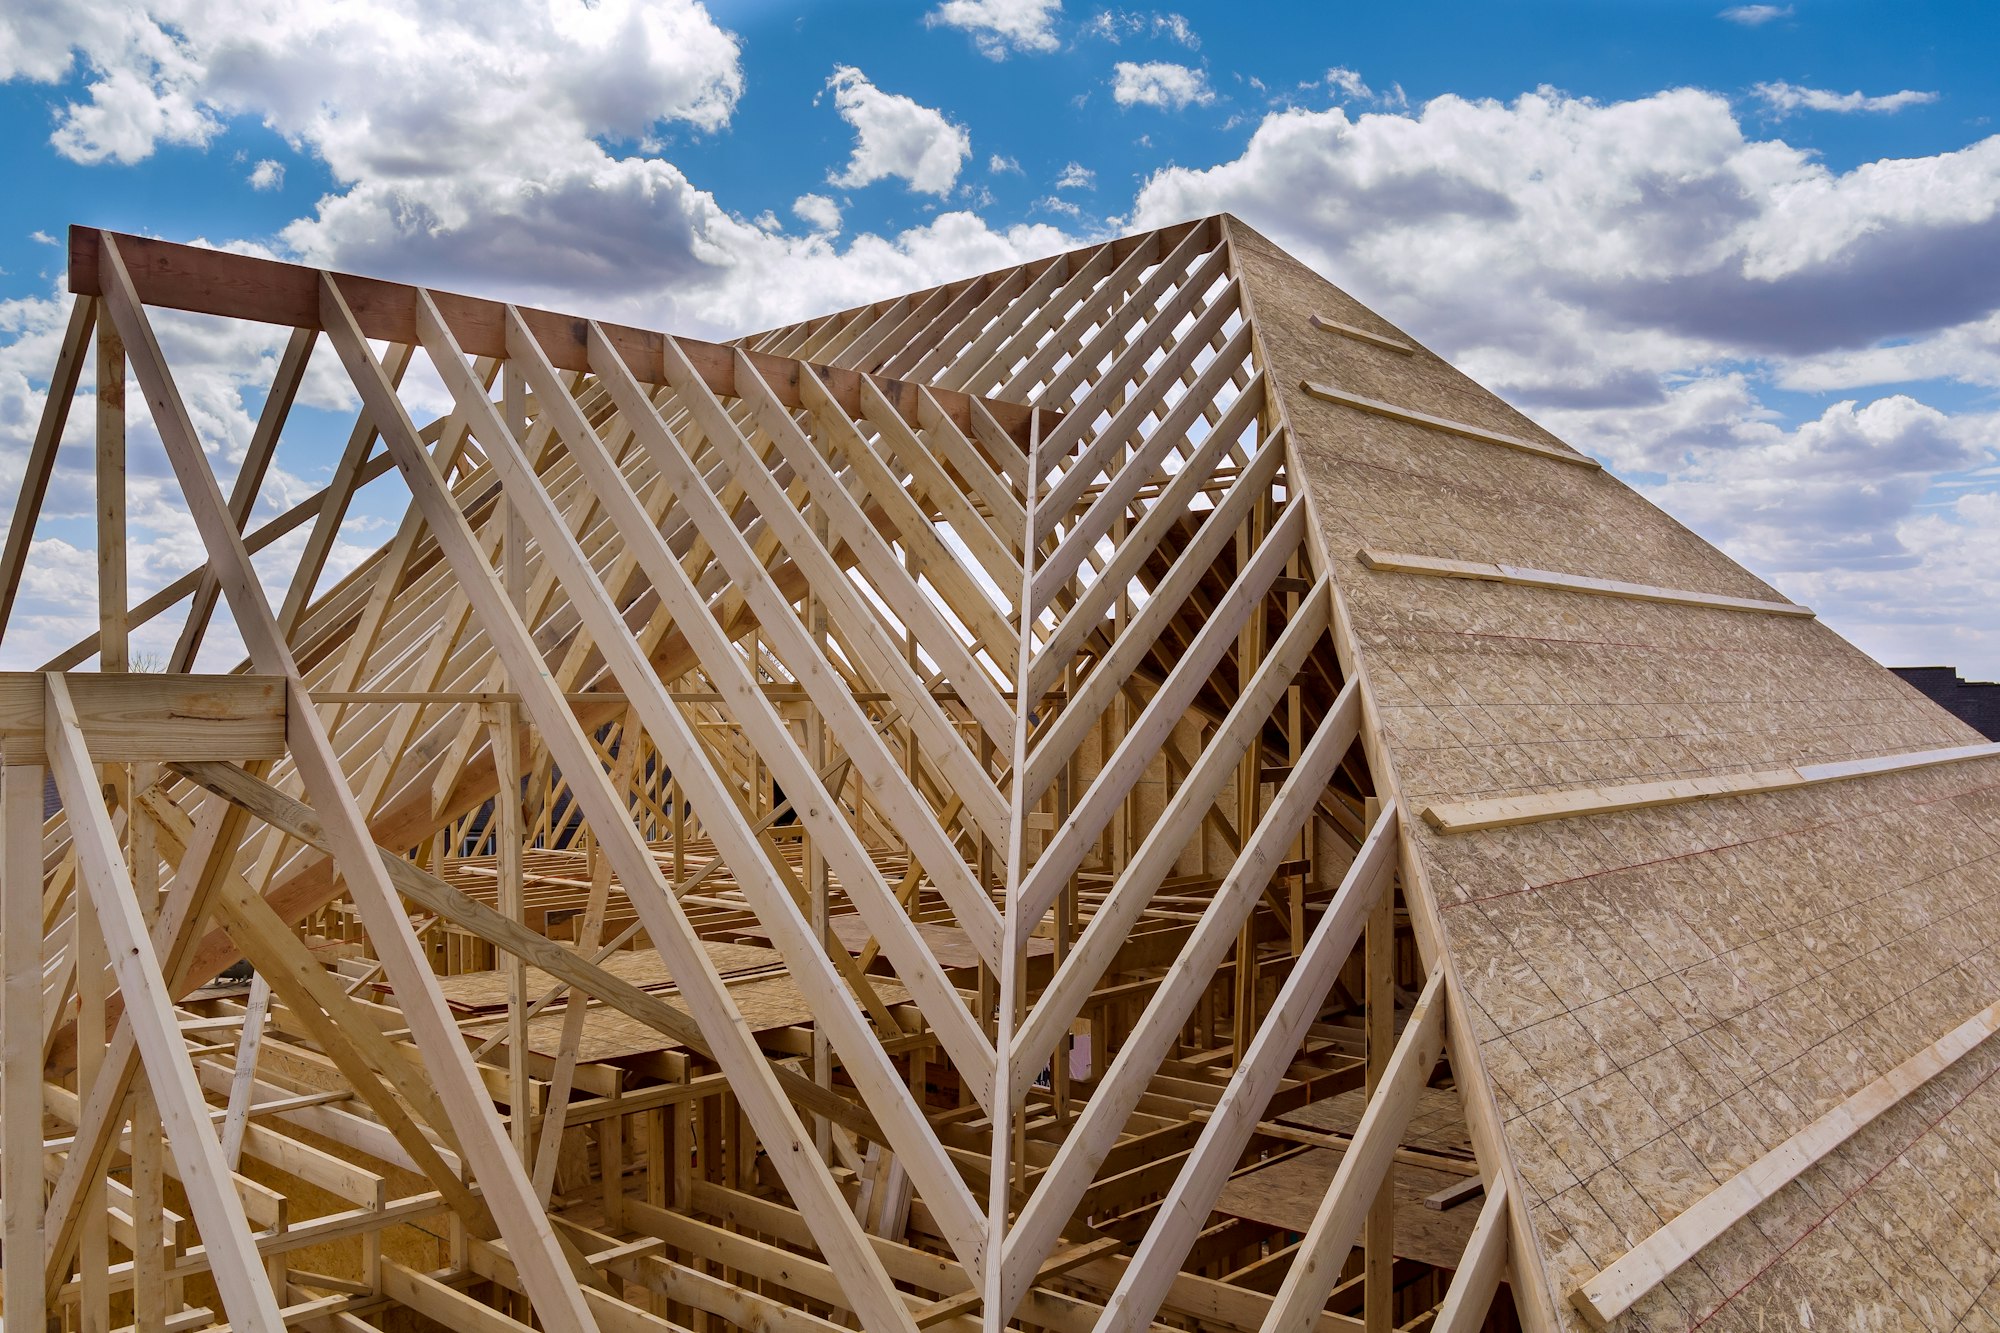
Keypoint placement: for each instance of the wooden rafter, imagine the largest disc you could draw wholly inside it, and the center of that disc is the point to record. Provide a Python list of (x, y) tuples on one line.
[(857, 826)]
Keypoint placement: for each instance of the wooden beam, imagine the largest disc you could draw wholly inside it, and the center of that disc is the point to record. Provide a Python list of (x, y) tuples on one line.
[(1104, 449), (1397, 562), (1084, 1148), (1323, 1251), (889, 786), (1150, 534), (1477, 1279), (433, 894), (950, 1201), (225, 1231), (1378, 1230), (1161, 850), (217, 282), (447, 1305), (571, 750), (506, 1188), (21, 1188), (1506, 811), (1170, 433), (41, 460), (1326, 393), (243, 491), (149, 718), (1006, 1143), (1179, 1219), (1163, 712), (1326, 325), (79, 652), (1658, 1257)]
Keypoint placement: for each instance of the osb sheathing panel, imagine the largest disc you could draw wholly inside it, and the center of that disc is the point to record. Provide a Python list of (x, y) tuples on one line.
[(1662, 996)]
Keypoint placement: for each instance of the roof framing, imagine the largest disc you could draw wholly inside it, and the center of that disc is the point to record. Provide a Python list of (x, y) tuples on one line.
[(1053, 801)]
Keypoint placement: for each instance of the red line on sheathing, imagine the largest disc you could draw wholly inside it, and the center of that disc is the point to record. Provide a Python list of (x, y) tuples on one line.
[(1574, 643), (1845, 1198), (1722, 847)]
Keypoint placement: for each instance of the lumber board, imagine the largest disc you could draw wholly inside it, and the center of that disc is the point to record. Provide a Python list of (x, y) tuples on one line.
[(1398, 562), (1477, 1280), (1659, 1256), (1507, 811), (1286, 1194), (1326, 324), (1465, 430), (151, 718), (217, 282)]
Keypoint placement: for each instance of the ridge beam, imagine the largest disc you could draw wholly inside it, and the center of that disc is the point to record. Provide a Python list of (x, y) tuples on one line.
[(1398, 562), (1658, 1257), (1340, 397), (267, 291), (1507, 811)]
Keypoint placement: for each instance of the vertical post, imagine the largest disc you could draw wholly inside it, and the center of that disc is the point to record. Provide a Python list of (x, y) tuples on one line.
[(103, 880), (816, 878), (21, 1186), (507, 802), (41, 460), (1065, 913), (152, 1293), (111, 596), (1379, 1232), (94, 1244)]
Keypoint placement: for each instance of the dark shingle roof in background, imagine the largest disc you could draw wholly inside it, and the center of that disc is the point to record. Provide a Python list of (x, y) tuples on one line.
[(1976, 703)]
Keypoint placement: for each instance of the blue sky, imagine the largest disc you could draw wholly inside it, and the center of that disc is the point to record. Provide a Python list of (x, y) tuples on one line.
[(1747, 254)]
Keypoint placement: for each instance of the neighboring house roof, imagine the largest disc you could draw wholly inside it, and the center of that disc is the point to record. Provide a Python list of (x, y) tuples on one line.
[(1975, 702)]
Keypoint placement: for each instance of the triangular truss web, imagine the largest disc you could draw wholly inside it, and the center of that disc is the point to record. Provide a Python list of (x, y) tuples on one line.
[(873, 825)]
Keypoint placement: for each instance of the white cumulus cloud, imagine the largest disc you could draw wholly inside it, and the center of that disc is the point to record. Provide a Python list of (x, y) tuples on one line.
[(512, 151), (1159, 83), (1000, 26), (818, 212), (1349, 84), (1754, 16), (896, 136), (268, 174), (375, 86), (1785, 98), (1636, 274)]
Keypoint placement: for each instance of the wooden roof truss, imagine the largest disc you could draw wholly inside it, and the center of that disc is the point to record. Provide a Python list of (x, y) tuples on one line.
[(869, 825)]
